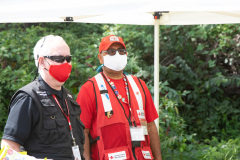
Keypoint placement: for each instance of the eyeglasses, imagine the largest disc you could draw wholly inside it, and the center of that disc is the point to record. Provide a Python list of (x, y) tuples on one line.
[(112, 52), (59, 59)]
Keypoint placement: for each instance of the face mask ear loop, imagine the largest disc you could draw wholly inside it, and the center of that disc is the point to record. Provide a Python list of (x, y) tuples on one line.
[(48, 64), (129, 68), (99, 69)]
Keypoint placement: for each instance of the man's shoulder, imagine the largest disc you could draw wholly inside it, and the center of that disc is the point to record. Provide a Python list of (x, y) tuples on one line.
[(21, 98), (87, 85), (137, 78), (24, 92), (29, 87), (21, 95), (89, 82)]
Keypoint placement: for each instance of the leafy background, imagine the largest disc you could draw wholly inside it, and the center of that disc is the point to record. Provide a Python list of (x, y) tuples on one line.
[(199, 77)]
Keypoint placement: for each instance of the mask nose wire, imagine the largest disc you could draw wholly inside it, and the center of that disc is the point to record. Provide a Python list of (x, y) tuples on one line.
[(117, 52)]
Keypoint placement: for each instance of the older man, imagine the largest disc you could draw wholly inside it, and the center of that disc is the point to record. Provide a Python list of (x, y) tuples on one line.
[(117, 110), (44, 118)]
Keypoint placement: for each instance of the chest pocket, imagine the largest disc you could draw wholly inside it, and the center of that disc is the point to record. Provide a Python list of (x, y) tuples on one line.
[(54, 124)]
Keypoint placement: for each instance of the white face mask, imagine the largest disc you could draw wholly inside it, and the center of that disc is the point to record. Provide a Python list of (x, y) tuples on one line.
[(116, 62)]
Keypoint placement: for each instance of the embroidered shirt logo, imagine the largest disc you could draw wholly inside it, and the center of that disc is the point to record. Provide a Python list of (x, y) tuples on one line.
[(117, 155), (42, 93), (141, 114), (146, 154), (69, 95)]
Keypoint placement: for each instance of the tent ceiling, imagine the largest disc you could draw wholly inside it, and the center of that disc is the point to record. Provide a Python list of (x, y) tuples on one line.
[(138, 12)]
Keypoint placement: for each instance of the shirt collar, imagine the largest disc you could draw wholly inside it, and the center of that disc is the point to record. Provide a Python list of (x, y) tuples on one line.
[(49, 90)]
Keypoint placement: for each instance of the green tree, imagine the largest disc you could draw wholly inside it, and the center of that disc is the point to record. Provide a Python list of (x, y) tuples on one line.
[(16, 55), (199, 77)]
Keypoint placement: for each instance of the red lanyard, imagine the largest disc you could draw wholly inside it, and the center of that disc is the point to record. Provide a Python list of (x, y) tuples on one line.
[(131, 117), (67, 116), (117, 92)]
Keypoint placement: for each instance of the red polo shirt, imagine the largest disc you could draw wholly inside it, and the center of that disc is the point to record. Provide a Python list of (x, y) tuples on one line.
[(87, 102)]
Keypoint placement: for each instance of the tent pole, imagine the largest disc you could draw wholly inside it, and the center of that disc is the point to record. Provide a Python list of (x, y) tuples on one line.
[(156, 68)]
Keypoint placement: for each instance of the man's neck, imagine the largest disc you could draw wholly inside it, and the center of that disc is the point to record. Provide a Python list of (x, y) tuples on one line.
[(113, 74), (52, 83), (58, 88)]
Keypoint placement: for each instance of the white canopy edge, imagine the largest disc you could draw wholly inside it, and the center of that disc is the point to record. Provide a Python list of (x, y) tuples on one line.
[(171, 18), (136, 12)]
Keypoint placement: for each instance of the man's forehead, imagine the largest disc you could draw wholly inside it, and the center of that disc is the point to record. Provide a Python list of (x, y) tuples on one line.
[(116, 45)]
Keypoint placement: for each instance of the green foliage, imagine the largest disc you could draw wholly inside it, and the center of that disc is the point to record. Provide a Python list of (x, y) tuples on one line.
[(175, 143), (16, 55), (225, 150), (199, 77), (205, 62)]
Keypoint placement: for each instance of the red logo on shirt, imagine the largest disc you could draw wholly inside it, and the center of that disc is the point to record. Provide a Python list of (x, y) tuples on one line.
[(137, 93)]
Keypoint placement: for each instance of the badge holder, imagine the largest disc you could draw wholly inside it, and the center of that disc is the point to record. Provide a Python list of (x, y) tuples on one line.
[(144, 125), (75, 148), (76, 151), (137, 135), (141, 117)]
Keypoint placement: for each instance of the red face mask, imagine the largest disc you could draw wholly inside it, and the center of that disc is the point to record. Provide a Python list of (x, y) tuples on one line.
[(60, 72)]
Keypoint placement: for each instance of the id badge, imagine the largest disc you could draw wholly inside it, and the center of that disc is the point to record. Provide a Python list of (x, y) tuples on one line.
[(76, 152), (137, 133), (117, 155)]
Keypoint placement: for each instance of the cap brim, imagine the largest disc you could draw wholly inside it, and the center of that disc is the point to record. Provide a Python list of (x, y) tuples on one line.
[(107, 46)]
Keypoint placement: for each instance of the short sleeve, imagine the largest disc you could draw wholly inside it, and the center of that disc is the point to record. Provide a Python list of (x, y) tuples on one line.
[(87, 102), (22, 118), (151, 112)]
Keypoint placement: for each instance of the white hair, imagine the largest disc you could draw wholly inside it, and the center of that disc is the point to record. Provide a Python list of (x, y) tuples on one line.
[(44, 46)]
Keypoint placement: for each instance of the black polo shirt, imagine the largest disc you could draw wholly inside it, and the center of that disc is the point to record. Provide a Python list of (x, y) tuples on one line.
[(24, 114)]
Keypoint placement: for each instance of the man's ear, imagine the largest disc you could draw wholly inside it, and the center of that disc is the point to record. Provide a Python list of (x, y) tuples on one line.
[(41, 62), (100, 57)]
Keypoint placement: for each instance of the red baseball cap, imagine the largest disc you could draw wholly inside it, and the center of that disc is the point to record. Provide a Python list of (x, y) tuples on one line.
[(106, 42)]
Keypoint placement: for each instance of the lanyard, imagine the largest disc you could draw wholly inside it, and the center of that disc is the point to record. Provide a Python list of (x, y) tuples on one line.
[(67, 117), (131, 119), (117, 93)]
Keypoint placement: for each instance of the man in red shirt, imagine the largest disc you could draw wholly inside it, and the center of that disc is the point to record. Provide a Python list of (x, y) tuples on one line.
[(118, 110)]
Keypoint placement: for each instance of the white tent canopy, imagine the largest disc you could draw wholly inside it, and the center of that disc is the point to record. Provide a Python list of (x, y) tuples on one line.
[(137, 12)]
